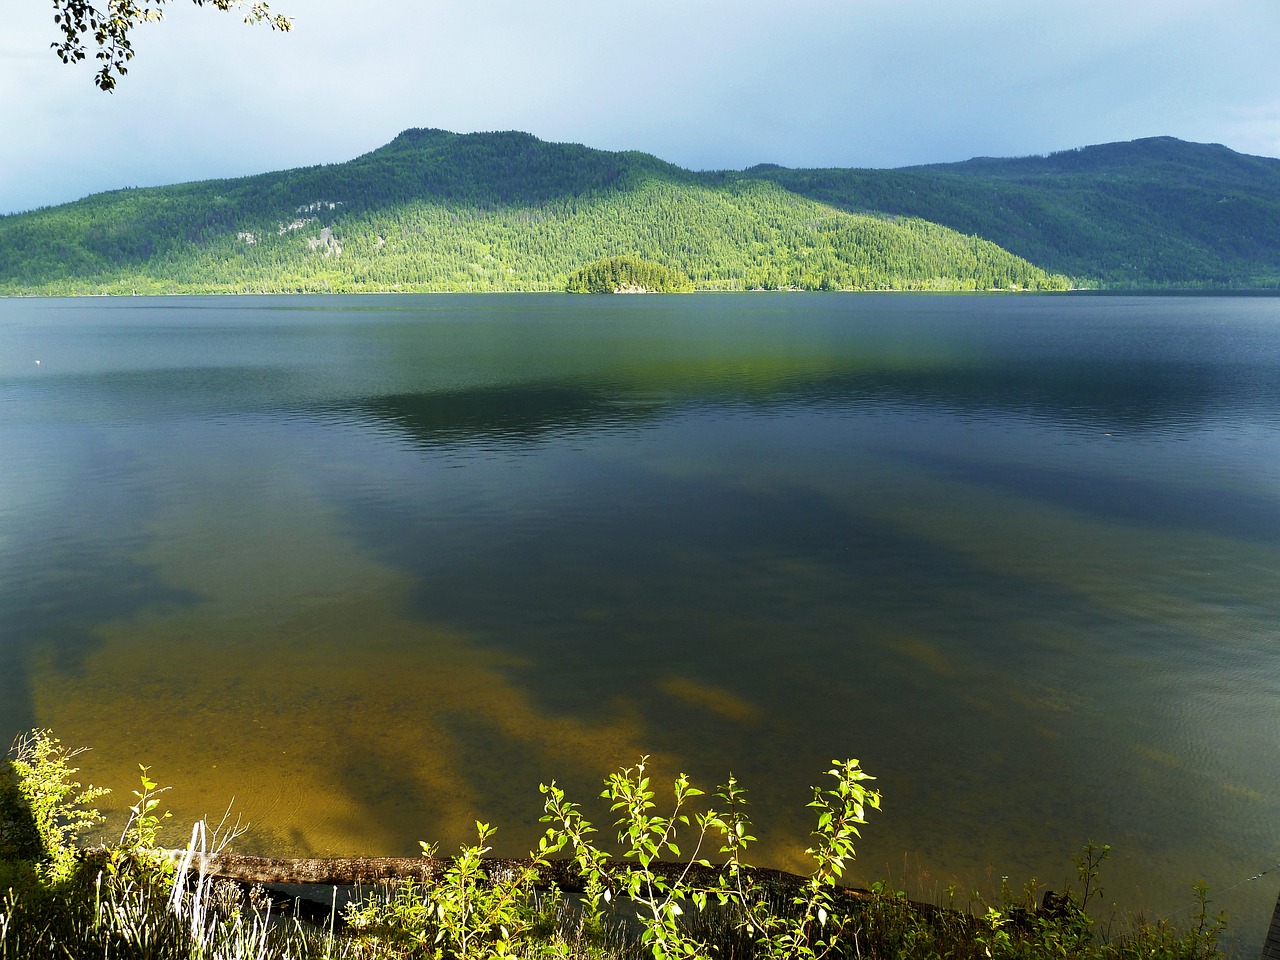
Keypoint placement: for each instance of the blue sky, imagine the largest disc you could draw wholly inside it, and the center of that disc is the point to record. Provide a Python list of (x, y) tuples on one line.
[(702, 83)]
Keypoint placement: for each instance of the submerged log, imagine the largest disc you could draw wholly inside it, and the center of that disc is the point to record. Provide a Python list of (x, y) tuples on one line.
[(562, 874)]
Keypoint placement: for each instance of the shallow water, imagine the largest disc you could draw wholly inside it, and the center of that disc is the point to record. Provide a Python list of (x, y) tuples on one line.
[(377, 566)]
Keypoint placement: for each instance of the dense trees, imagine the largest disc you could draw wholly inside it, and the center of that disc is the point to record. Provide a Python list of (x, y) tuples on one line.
[(627, 275), (1150, 212), (439, 211), (110, 29)]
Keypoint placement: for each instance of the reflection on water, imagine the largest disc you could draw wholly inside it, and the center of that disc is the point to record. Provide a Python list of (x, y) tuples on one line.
[(376, 566)]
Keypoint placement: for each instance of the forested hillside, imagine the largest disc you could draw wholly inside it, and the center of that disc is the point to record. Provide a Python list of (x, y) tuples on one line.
[(434, 210), (1154, 212)]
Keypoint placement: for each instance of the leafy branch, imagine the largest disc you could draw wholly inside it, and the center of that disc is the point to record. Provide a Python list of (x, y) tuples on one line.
[(110, 27)]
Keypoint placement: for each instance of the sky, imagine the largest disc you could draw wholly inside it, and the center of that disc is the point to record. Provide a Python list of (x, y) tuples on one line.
[(705, 84)]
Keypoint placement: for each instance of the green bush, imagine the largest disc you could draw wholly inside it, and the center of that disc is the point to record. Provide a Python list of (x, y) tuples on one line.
[(45, 810)]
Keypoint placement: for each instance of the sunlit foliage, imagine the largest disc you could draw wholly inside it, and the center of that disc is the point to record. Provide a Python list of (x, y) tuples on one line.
[(436, 211)]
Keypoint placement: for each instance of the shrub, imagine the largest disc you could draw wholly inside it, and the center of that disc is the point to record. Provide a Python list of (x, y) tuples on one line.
[(44, 810)]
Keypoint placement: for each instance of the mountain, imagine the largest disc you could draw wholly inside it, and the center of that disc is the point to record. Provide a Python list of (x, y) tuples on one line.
[(1153, 212), (434, 210)]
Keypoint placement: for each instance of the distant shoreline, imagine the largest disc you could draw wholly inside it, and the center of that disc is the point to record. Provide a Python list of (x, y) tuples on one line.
[(1261, 292)]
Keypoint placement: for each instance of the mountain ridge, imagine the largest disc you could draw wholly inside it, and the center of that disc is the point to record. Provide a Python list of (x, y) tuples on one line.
[(1157, 211), (437, 210)]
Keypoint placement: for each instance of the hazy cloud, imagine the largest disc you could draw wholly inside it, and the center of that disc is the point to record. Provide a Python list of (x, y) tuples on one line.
[(702, 83)]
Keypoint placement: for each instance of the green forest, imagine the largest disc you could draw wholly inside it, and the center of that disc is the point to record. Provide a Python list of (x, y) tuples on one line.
[(628, 275), (438, 211), (1158, 212)]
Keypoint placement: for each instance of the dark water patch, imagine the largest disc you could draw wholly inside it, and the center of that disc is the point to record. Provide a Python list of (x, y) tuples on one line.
[(494, 414), (1094, 392), (75, 563), (1122, 499), (623, 592)]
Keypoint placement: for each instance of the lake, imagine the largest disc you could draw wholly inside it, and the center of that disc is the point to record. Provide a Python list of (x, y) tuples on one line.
[(376, 566)]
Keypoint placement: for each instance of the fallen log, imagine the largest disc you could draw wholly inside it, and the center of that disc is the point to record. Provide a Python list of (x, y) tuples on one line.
[(559, 873)]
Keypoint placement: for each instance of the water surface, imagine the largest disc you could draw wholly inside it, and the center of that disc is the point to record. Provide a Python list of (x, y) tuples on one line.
[(377, 566)]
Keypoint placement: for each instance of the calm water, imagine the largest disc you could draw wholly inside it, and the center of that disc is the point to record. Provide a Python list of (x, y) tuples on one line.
[(376, 566)]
